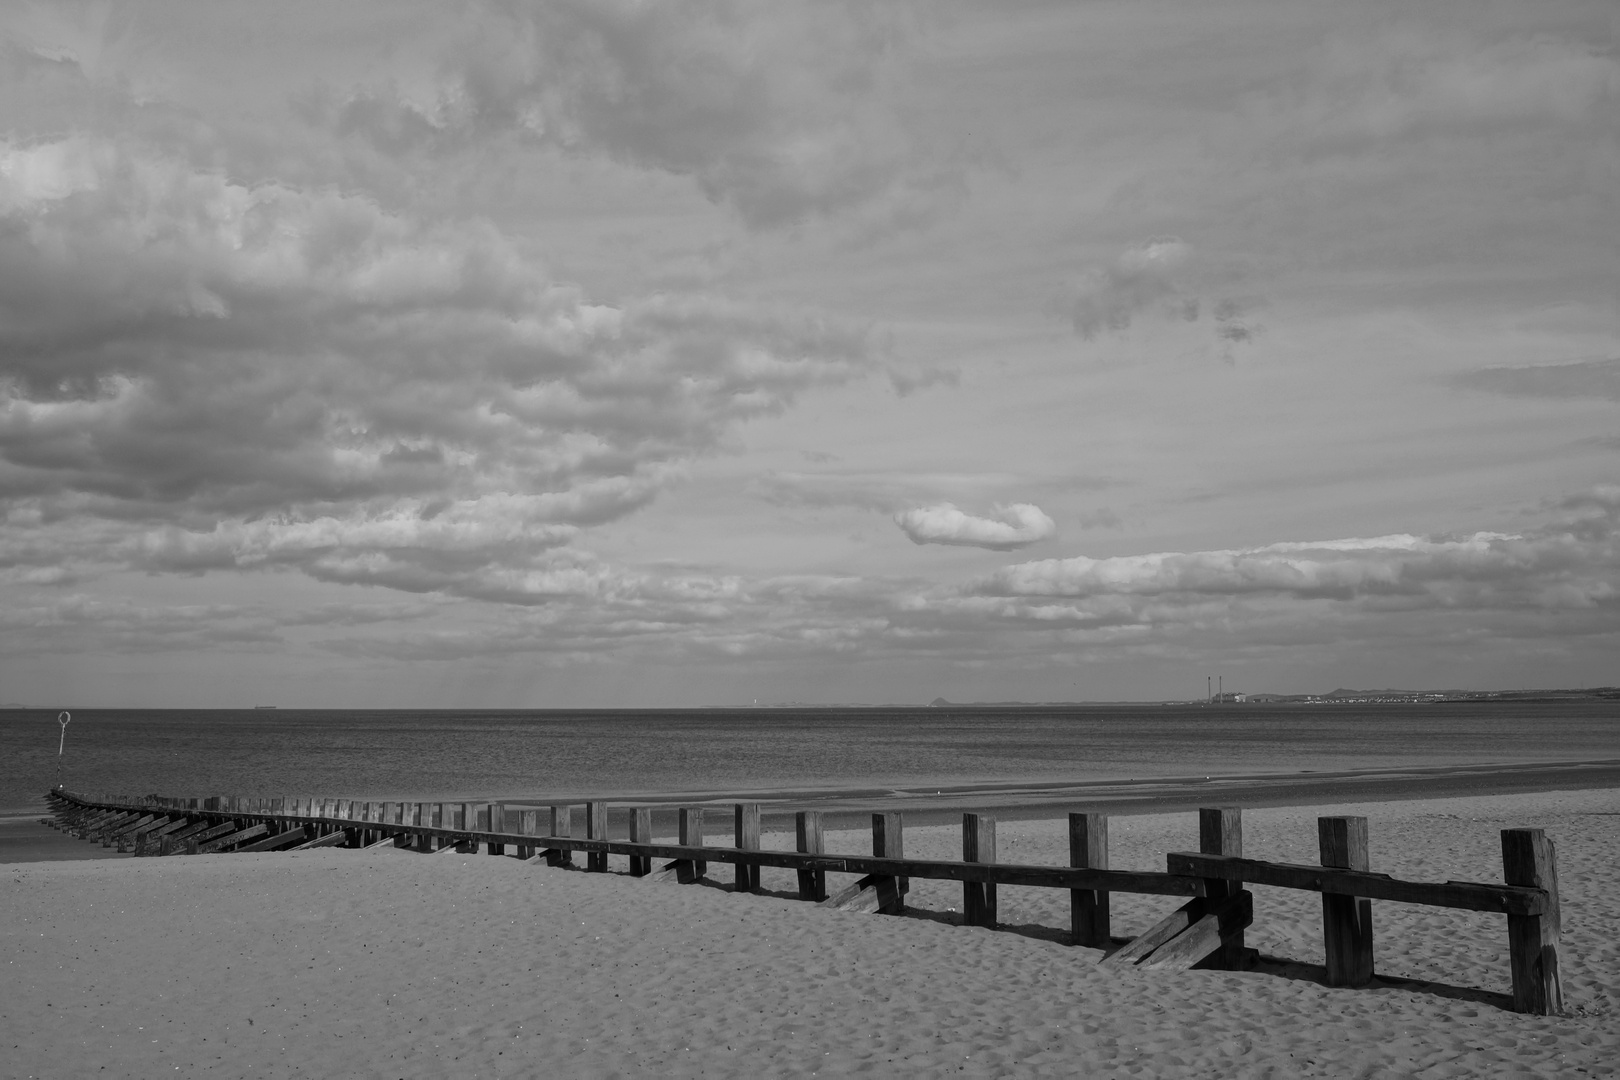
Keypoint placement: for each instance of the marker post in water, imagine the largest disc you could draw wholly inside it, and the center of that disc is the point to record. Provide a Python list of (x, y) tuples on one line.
[(61, 718)]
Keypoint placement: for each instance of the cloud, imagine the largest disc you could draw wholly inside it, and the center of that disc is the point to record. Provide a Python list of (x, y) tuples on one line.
[(196, 373), (1159, 275), (1579, 379), (783, 113), (1015, 525), (1572, 563), (1290, 601), (907, 381), (1410, 82), (885, 492), (1339, 569), (1110, 297), (879, 492), (78, 621), (1100, 518)]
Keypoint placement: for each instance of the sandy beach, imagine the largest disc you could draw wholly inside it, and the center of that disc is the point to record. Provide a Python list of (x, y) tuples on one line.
[(384, 963)]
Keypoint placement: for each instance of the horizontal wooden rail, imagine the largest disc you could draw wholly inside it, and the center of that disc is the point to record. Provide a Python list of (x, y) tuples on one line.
[(1467, 896)]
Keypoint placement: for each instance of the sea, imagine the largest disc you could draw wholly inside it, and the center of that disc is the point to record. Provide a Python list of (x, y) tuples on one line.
[(807, 753)]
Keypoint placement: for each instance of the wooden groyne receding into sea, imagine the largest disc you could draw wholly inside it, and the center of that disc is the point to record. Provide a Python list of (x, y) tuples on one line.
[(1207, 931)]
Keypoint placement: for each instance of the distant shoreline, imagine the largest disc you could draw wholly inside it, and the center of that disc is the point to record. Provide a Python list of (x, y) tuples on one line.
[(1228, 698)]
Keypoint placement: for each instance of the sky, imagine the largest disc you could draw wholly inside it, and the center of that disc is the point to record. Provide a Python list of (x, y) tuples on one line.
[(649, 354)]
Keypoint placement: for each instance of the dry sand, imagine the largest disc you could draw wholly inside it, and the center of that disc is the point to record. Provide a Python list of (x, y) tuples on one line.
[(389, 964)]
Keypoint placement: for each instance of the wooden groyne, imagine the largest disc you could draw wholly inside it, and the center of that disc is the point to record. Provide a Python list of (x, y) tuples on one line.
[(1207, 931)]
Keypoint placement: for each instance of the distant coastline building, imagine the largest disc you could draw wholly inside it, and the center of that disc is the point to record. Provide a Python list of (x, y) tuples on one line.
[(1230, 698)]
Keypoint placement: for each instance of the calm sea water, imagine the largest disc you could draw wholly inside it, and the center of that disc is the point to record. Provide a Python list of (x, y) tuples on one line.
[(458, 754)]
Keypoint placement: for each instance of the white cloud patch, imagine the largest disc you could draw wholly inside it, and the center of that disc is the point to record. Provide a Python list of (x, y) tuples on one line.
[(1012, 526), (198, 373), (1573, 563)]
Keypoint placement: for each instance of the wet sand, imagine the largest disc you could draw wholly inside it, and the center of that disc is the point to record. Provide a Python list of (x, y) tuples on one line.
[(23, 840)]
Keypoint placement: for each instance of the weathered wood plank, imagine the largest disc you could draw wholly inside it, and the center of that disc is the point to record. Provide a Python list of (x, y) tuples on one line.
[(230, 840), (640, 833), (812, 883), (889, 842), (690, 819), (1220, 832), (528, 825), (1347, 934), (131, 828), (195, 841), (1466, 896), (1143, 944), (275, 843), (1208, 940), (562, 827), (497, 825), (1088, 908), (1530, 859), (147, 840), (192, 830), (424, 817), (596, 829), (745, 818), (331, 839), (868, 895), (978, 846), (89, 824)]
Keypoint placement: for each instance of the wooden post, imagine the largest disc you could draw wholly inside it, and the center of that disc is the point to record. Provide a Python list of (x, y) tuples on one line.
[(424, 818), (596, 829), (1530, 859), (1088, 908), (812, 883), (978, 845), (746, 817), (640, 833), (1347, 935), (528, 825), (889, 842), (497, 823), (691, 820), (448, 816), (561, 825), (1220, 832)]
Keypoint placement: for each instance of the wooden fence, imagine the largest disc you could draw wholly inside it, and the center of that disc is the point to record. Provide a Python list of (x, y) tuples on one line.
[(1206, 931)]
